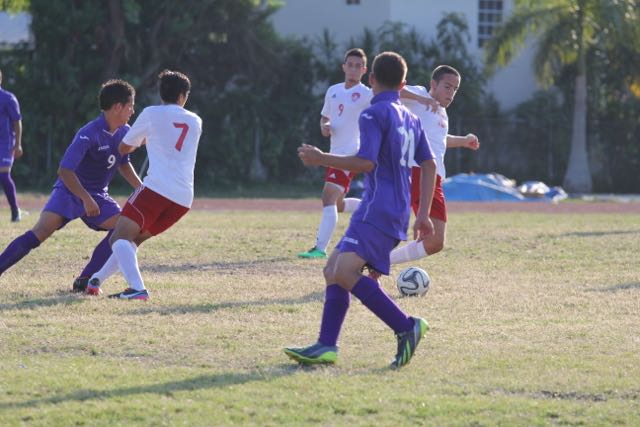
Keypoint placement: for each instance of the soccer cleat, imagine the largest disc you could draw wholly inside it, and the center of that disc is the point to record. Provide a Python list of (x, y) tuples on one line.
[(314, 354), (80, 284), (408, 342), (93, 287), (131, 294), (313, 253), (16, 217)]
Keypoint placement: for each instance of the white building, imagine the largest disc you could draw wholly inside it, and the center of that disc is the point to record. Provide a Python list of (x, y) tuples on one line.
[(347, 18)]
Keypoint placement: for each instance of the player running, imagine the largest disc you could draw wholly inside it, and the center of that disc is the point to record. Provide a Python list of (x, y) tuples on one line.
[(343, 104), (10, 145), (171, 134)]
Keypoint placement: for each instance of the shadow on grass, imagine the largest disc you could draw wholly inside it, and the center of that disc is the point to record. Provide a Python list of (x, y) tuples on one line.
[(65, 298), (599, 233), (617, 288), (167, 389), (208, 308), (235, 265)]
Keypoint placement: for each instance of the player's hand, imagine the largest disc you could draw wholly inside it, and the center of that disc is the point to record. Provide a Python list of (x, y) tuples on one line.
[(17, 152), (91, 208), (472, 142), (431, 104), (422, 228), (325, 129), (310, 155)]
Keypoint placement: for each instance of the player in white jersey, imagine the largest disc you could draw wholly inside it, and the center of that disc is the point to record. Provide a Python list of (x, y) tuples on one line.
[(171, 135), (445, 81), (343, 104)]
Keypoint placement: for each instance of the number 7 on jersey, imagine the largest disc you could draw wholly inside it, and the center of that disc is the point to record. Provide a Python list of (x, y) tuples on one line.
[(183, 134)]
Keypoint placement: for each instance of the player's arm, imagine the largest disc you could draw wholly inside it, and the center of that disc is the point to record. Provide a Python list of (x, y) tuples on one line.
[(469, 141), (423, 225), (124, 148), (17, 130), (71, 181), (325, 126), (129, 174), (430, 103), (313, 156), (136, 136)]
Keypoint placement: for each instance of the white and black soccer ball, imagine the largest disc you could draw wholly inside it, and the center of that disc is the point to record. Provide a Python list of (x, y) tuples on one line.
[(413, 281)]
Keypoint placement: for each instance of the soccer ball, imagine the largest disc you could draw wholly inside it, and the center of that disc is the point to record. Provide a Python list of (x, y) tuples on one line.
[(413, 281)]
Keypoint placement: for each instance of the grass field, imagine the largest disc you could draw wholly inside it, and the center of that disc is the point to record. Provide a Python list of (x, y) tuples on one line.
[(534, 321)]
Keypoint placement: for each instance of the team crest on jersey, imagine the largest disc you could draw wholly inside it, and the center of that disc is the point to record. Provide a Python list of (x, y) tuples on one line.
[(355, 96)]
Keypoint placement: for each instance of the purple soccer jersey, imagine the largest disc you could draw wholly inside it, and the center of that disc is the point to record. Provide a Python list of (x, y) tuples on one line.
[(9, 113), (390, 137), (93, 155)]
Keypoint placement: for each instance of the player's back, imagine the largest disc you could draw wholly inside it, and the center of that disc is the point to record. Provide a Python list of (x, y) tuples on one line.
[(172, 134), (9, 112)]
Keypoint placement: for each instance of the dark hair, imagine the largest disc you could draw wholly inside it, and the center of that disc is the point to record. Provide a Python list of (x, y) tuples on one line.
[(441, 70), (358, 53), (115, 92), (389, 69), (172, 84)]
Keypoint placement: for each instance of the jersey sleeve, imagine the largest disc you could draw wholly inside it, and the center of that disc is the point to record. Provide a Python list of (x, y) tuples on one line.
[(370, 136), (76, 151), (139, 131), (13, 108), (423, 149), (326, 108), (417, 90)]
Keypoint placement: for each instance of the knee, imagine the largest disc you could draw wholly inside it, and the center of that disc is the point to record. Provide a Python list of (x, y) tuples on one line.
[(329, 275), (433, 247)]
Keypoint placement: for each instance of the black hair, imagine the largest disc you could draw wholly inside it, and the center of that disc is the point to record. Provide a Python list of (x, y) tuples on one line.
[(172, 84), (115, 92), (441, 70), (358, 53), (389, 69)]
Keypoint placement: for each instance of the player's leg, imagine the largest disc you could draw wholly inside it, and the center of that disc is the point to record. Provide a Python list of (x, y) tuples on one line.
[(47, 224), (9, 187), (348, 204)]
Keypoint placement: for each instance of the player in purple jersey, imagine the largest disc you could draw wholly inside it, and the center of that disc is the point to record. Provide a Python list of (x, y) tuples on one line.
[(85, 172), (391, 137), (10, 145)]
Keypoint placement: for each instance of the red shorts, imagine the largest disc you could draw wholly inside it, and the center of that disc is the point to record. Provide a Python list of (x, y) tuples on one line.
[(151, 211), (438, 207), (339, 177)]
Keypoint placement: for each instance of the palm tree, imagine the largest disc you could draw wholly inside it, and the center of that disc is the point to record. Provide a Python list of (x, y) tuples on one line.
[(565, 30)]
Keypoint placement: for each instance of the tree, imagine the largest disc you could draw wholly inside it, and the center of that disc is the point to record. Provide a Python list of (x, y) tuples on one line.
[(565, 31)]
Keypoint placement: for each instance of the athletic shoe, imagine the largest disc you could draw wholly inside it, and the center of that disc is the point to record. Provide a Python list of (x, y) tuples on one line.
[(314, 354), (93, 287), (313, 253), (80, 284), (131, 294), (408, 342), (16, 217)]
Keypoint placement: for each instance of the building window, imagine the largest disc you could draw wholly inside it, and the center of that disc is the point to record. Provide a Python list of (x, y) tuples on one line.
[(489, 18), (353, 1)]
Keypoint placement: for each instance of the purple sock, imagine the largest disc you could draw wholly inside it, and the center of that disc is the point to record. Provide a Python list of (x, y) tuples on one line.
[(17, 249), (10, 190), (336, 304), (100, 255), (373, 297)]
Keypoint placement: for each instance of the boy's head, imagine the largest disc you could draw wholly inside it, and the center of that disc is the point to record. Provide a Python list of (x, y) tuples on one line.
[(389, 71), (354, 65), (116, 99), (445, 81), (174, 87)]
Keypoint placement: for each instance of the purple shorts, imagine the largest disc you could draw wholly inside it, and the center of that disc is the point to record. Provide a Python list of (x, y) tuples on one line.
[(62, 202), (6, 155), (370, 244)]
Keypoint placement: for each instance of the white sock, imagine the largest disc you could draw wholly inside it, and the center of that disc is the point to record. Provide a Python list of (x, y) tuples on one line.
[(110, 267), (128, 263), (351, 204), (327, 226), (409, 252)]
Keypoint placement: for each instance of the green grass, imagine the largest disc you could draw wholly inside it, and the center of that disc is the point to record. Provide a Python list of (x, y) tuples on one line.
[(534, 321)]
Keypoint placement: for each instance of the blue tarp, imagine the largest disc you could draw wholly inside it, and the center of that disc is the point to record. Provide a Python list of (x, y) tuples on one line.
[(497, 188)]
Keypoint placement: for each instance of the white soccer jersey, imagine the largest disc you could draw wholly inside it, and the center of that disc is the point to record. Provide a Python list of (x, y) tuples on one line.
[(343, 107), (435, 125), (172, 135)]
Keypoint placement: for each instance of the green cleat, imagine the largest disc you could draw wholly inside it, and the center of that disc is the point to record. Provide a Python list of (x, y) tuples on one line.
[(314, 354), (408, 342), (313, 253)]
